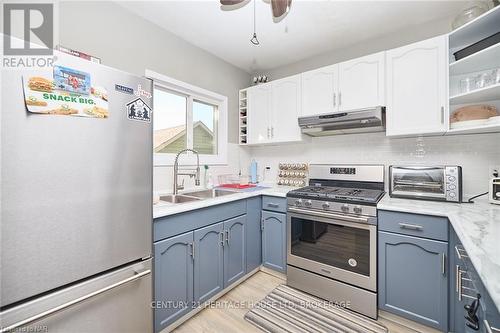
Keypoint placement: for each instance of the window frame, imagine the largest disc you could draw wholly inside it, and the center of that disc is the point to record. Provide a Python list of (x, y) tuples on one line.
[(193, 93)]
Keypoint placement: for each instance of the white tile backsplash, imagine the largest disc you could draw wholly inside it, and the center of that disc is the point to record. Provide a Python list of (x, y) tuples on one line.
[(475, 153)]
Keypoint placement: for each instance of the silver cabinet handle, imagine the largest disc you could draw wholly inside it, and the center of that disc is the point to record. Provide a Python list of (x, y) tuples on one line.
[(443, 264), (340, 98), (410, 226), (490, 329), (66, 305), (272, 132), (192, 250), (221, 238), (442, 115), (262, 224), (272, 205), (268, 133), (227, 237), (334, 99)]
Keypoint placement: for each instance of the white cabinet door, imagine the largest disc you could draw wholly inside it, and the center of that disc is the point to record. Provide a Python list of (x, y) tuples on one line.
[(259, 108), (362, 82), (286, 106), (417, 88), (319, 91)]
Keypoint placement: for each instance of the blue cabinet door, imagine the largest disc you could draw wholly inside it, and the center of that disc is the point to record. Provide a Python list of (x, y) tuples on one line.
[(208, 262), (173, 279), (413, 278), (253, 234), (274, 241), (234, 249)]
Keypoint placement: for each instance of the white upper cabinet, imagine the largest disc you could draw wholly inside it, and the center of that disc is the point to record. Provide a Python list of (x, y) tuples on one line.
[(320, 91), (258, 113), (286, 108), (417, 88), (362, 82), (273, 111)]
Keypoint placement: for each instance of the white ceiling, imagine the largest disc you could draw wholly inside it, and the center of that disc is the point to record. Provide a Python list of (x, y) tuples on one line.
[(311, 27)]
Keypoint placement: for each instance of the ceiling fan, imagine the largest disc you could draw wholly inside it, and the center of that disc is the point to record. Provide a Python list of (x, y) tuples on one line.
[(279, 8)]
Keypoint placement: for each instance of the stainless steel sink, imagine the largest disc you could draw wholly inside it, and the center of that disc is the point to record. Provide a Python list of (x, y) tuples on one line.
[(178, 198), (207, 194)]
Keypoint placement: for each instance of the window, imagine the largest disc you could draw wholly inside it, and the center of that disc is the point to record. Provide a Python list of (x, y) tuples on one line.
[(185, 116)]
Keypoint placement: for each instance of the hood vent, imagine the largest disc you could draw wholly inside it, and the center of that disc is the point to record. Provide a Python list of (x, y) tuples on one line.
[(355, 121)]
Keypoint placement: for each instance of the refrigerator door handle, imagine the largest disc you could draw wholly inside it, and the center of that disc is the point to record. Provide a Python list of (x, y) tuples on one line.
[(66, 305)]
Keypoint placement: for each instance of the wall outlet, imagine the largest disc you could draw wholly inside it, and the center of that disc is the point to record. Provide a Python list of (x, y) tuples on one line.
[(494, 169)]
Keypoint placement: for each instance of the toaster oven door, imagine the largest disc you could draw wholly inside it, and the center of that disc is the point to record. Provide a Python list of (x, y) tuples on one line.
[(418, 182)]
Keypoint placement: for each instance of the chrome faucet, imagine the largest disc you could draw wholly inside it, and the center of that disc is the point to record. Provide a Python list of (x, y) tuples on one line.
[(186, 172)]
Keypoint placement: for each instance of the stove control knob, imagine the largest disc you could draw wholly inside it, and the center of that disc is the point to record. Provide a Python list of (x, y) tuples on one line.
[(358, 210), (326, 206), (308, 203), (345, 208), (298, 202)]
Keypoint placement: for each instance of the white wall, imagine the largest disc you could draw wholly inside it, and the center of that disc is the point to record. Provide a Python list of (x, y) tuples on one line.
[(128, 42), (403, 37), (475, 153)]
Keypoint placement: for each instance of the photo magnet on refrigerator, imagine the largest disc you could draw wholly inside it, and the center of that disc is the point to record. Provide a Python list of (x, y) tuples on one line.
[(139, 111)]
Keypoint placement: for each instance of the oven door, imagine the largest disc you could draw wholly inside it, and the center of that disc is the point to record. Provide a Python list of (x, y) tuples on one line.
[(338, 246), (418, 182)]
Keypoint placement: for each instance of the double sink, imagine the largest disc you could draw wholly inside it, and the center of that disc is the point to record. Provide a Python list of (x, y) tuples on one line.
[(195, 196)]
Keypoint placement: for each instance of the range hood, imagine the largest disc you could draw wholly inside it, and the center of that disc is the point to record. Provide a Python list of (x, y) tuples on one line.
[(355, 121)]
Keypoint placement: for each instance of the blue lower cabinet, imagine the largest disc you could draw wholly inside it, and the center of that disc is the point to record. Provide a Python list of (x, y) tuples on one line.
[(413, 278), (274, 241), (208, 262), (253, 234), (234, 249), (173, 279)]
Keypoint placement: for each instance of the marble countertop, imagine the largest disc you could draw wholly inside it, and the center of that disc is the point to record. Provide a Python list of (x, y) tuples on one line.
[(162, 208), (477, 226)]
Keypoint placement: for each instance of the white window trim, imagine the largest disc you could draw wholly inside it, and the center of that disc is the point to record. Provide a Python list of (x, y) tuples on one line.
[(205, 96)]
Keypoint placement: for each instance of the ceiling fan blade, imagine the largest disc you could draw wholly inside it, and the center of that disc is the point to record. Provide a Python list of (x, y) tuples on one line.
[(232, 4), (280, 9)]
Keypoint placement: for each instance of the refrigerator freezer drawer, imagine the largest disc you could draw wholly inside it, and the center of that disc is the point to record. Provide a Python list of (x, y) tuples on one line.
[(119, 301)]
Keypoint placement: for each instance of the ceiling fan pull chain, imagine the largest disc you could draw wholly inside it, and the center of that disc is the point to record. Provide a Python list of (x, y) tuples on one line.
[(254, 39)]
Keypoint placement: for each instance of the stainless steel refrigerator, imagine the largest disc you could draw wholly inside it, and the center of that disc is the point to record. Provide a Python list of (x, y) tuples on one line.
[(76, 210)]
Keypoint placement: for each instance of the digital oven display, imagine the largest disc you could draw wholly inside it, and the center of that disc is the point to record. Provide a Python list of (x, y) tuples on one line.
[(343, 171)]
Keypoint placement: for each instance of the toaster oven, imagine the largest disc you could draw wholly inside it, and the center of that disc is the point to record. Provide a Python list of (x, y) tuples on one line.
[(439, 183)]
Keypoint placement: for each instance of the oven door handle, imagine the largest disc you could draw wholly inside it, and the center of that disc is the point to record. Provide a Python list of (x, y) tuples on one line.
[(347, 218)]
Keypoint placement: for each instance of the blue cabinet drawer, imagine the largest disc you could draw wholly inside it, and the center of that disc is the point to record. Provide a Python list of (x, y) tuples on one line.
[(274, 204), (425, 226)]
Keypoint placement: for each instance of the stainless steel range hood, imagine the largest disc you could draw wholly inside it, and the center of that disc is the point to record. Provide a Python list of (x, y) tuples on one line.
[(355, 121)]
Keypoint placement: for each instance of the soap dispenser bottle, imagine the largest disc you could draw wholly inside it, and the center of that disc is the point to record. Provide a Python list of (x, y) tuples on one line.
[(253, 172)]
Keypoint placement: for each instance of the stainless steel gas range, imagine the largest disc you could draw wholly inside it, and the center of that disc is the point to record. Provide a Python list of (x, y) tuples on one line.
[(332, 235)]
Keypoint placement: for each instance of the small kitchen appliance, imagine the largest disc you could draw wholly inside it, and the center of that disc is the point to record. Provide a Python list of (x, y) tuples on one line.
[(495, 191), (439, 183), (332, 235)]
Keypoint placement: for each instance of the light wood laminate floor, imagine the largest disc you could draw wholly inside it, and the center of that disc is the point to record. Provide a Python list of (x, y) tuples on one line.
[(227, 315)]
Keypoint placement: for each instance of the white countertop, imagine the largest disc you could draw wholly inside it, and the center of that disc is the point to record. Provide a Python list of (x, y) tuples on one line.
[(162, 208), (477, 226)]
